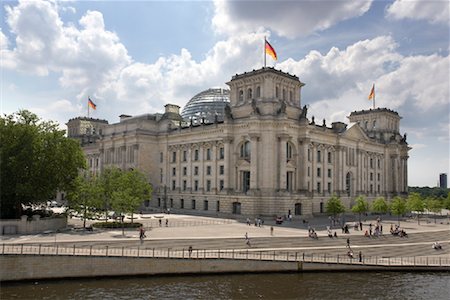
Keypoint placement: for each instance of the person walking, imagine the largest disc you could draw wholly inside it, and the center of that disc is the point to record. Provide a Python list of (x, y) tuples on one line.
[(360, 256), (348, 242), (271, 230)]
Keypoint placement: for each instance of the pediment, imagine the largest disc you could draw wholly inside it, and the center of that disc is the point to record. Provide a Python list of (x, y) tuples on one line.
[(243, 163), (355, 132)]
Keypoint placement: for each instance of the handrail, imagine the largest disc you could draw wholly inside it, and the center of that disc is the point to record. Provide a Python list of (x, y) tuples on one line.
[(247, 254)]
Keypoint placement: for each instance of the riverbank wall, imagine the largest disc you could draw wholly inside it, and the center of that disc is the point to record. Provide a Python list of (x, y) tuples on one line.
[(35, 267)]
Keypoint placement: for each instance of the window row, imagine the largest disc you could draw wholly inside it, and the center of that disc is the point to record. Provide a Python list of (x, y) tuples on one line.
[(195, 186), (195, 155), (208, 170)]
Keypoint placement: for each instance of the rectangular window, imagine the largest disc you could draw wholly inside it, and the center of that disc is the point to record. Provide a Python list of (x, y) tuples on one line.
[(371, 163), (329, 187), (174, 156), (184, 155), (221, 184), (161, 174), (196, 185), (378, 176), (218, 206), (318, 187), (371, 188), (184, 171), (371, 176), (318, 156), (173, 184), (181, 203), (221, 170), (309, 154), (159, 202), (221, 153), (171, 202), (208, 170), (184, 185), (195, 170), (329, 173), (309, 171), (205, 205), (379, 164), (379, 188), (208, 154), (193, 204), (174, 171), (208, 185), (245, 181), (329, 157), (161, 156), (318, 172), (196, 154)]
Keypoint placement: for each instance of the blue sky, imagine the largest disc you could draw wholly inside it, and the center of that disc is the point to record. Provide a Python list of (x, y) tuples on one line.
[(134, 57)]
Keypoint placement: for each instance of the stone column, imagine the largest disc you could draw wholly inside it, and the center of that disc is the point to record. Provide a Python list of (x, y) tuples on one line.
[(282, 140), (254, 161), (228, 163)]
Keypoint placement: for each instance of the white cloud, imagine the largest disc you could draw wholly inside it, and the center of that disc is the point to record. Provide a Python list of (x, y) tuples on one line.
[(85, 57), (433, 11), (286, 18)]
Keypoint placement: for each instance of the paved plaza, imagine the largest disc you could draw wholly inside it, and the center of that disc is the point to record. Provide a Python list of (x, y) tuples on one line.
[(202, 232)]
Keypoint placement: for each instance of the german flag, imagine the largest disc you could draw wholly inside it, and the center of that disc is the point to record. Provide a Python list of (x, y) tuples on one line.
[(92, 104), (372, 93), (270, 50)]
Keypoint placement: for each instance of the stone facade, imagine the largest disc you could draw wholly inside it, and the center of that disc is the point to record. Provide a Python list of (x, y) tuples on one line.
[(266, 158)]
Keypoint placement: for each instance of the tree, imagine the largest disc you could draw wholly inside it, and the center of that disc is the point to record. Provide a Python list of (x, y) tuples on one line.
[(132, 188), (36, 160), (434, 205), (334, 206), (415, 203), (361, 206), (109, 180), (398, 207), (380, 206), (85, 197), (446, 203)]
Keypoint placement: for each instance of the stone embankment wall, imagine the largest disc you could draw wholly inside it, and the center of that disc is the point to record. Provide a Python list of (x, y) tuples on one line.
[(36, 225), (33, 267), (27, 267)]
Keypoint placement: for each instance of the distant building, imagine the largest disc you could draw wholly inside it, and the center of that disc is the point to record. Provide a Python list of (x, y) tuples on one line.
[(443, 180), (263, 155)]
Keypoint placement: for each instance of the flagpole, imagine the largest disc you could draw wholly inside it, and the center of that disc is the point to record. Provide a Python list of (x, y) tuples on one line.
[(264, 49)]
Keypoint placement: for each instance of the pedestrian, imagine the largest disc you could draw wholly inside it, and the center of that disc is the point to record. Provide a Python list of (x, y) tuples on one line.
[(167, 222), (271, 230), (335, 234), (360, 225), (248, 221), (360, 256), (246, 236), (190, 251), (159, 221), (348, 242)]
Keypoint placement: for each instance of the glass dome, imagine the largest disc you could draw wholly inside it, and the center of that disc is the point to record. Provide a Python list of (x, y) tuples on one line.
[(207, 104)]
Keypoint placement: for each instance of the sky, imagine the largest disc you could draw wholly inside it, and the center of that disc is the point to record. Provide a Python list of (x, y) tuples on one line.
[(133, 57)]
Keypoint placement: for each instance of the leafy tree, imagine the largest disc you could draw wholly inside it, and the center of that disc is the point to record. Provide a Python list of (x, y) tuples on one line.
[(36, 160), (433, 205), (415, 203), (109, 179), (334, 206), (398, 207), (446, 203), (132, 188), (361, 206), (85, 197), (380, 206)]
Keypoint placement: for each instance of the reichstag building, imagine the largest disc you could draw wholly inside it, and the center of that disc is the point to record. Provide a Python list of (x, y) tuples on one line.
[(251, 150)]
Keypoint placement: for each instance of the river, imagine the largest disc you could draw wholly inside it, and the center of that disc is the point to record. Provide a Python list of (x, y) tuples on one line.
[(351, 285)]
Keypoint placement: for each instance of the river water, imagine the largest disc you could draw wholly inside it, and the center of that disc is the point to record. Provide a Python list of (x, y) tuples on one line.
[(352, 285)]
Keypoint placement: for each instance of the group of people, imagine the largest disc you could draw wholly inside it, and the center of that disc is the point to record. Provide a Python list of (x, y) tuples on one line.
[(330, 234), (398, 231), (258, 222), (312, 233)]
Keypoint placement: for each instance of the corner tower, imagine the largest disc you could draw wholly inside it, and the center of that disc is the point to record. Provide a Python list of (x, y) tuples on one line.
[(265, 92)]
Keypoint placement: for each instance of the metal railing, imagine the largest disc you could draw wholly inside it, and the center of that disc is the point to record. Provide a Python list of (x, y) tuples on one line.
[(238, 254)]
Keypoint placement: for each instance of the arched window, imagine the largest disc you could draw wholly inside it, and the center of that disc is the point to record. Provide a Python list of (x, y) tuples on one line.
[(241, 95), (258, 91), (245, 150), (288, 151), (249, 94)]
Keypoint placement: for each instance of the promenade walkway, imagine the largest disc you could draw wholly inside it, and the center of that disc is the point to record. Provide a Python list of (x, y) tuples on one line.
[(226, 234)]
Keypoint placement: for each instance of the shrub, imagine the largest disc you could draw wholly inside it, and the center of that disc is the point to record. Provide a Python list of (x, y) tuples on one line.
[(116, 225)]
